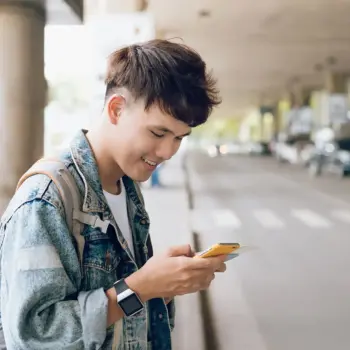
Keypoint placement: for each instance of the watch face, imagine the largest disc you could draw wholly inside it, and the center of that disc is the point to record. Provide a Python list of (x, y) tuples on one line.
[(131, 305)]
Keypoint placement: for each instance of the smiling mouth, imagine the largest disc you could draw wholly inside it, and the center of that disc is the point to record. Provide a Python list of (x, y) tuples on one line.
[(149, 162)]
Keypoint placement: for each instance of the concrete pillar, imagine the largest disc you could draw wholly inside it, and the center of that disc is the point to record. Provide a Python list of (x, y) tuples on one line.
[(266, 134), (22, 91), (276, 122)]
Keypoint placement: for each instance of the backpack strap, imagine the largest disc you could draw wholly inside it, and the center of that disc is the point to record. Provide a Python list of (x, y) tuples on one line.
[(54, 170), (71, 198)]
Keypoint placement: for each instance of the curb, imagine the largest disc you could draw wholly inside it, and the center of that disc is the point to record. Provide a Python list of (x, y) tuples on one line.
[(209, 335)]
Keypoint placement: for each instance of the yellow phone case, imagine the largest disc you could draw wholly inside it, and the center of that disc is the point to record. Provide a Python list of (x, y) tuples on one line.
[(219, 249)]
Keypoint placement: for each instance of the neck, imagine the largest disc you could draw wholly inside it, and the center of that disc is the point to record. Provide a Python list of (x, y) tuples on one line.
[(109, 171)]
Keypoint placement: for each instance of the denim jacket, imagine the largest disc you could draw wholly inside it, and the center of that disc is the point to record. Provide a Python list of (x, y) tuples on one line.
[(48, 301)]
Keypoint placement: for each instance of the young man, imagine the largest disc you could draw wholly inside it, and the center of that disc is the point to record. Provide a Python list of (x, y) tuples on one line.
[(50, 299)]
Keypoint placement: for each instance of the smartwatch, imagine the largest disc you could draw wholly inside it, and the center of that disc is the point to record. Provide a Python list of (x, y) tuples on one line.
[(128, 300)]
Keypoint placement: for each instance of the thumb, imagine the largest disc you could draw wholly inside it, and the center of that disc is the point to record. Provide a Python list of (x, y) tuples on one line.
[(181, 250), (221, 258)]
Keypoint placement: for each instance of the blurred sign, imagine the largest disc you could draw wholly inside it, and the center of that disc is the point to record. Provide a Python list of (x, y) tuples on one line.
[(338, 108), (300, 121)]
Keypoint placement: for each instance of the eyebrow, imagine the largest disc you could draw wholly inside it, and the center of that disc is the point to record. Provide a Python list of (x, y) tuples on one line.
[(162, 128)]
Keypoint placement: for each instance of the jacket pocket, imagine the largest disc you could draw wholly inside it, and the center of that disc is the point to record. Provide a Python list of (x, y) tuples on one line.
[(100, 260)]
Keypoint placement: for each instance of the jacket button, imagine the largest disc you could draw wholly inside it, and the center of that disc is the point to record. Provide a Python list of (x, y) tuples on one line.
[(143, 222), (160, 316)]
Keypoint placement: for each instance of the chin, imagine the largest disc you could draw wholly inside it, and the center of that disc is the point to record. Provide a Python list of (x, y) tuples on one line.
[(142, 179), (139, 177)]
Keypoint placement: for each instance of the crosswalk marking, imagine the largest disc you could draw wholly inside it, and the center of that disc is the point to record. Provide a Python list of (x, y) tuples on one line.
[(342, 215), (310, 218), (226, 218), (268, 219)]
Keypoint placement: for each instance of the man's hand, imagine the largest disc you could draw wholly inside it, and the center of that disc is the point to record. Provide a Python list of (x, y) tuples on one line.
[(175, 273), (222, 268)]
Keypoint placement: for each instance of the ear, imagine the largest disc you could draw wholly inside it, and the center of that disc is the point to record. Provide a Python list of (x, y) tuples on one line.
[(114, 107)]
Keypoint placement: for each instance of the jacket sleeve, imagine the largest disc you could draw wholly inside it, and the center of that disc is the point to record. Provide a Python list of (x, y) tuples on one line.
[(40, 275)]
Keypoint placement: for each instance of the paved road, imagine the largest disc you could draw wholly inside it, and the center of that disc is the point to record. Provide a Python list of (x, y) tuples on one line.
[(293, 291)]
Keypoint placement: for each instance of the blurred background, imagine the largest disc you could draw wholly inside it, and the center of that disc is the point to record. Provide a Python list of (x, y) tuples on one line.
[(268, 170)]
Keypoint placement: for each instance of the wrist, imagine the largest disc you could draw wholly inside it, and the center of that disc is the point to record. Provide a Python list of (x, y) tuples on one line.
[(139, 285)]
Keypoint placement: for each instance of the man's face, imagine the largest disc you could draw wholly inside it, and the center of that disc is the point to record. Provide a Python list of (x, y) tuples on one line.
[(141, 140)]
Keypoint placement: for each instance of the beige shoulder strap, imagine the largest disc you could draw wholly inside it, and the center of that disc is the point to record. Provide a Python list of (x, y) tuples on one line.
[(66, 185), (71, 198)]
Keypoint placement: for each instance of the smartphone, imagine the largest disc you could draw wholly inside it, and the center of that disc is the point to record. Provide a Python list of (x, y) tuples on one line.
[(219, 249), (239, 251)]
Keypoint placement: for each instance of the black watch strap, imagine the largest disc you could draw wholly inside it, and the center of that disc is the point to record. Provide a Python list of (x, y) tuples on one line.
[(120, 286)]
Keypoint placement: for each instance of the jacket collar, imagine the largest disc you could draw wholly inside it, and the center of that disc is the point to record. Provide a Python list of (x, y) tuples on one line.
[(86, 165)]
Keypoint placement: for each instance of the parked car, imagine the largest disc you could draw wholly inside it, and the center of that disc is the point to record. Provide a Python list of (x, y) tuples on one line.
[(333, 157)]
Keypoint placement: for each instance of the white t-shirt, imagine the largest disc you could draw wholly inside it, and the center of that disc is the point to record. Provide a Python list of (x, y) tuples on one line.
[(117, 204)]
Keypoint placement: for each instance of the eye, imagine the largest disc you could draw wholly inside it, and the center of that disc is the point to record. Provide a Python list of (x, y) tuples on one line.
[(157, 135)]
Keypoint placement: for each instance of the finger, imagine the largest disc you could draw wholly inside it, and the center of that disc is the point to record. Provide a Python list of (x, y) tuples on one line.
[(199, 263), (199, 278), (182, 250), (200, 281), (192, 254), (213, 263), (221, 258), (222, 268), (216, 262), (208, 281)]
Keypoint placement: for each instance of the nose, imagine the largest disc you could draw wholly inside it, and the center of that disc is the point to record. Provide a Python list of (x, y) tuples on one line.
[(167, 149)]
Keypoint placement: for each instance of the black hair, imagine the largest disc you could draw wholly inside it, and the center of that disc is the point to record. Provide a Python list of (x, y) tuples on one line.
[(170, 75)]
